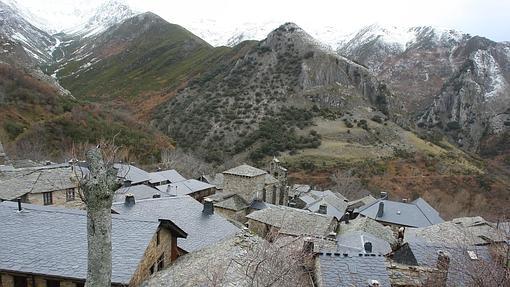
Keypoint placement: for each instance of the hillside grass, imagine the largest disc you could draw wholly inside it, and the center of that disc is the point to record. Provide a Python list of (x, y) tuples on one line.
[(161, 57)]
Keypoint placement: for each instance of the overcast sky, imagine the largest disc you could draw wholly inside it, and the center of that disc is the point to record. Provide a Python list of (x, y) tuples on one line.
[(489, 18)]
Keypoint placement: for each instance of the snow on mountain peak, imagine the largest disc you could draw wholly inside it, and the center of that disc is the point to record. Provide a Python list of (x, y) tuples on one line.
[(106, 15)]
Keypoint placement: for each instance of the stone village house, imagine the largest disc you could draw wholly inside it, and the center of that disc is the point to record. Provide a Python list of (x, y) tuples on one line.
[(246, 189), (46, 185), (140, 247)]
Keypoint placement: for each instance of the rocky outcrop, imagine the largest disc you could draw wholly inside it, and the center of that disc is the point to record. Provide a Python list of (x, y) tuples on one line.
[(446, 79), (475, 102)]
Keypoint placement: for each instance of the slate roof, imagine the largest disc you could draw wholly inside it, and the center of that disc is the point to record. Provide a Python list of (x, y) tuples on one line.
[(245, 170), (294, 221), (53, 241), (186, 212), (269, 179), (425, 254), (465, 230), (232, 201), (368, 225), (299, 189), (37, 181), (215, 179), (355, 241), (194, 269), (131, 173), (415, 214), (361, 201), (336, 204), (170, 175), (140, 191), (338, 270), (185, 187)]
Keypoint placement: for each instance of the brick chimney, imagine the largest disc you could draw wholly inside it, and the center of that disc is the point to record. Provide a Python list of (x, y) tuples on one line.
[(323, 209), (208, 207), (130, 199), (380, 211)]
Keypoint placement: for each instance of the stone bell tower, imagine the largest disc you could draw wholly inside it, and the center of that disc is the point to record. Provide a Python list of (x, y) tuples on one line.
[(281, 174)]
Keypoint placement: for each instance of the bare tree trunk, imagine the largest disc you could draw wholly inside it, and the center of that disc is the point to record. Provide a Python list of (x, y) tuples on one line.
[(98, 189)]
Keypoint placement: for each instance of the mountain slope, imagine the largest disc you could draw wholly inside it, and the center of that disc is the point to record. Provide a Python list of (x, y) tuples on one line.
[(474, 103), (443, 78), (41, 120), (108, 14), (37, 43), (143, 53), (272, 84)]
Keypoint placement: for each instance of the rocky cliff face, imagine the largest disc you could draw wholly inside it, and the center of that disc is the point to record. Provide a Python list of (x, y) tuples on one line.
[(444, 78), (474, 103)]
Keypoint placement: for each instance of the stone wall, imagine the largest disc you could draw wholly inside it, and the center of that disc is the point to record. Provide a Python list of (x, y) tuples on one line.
[(239, 216), (59, 197), (7, 280), (259, 228), (167, 247), (246, 187)]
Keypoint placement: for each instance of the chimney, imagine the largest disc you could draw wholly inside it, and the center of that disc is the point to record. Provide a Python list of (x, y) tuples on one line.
[(368, 247), (19, 204), (130, 199), (323, 209), (443, 261), (308, 245), (404, 200), (347, 215), (380, 211), (384, 195), (208, 207), (169, 190)]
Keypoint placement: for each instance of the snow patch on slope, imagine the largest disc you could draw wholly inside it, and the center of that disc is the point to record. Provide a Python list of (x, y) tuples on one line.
[(488, 69), (105, 16)]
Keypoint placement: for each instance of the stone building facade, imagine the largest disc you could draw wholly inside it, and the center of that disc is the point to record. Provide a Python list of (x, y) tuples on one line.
[(255, 184)]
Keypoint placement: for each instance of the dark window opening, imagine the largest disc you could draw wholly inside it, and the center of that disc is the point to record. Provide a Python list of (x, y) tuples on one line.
[(70, 195), (158, 235), (48, 198), (153, 268), (52, 283), (20, 281), (161, 262), (79, 284)]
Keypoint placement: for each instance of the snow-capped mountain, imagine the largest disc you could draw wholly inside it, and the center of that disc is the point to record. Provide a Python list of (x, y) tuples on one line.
[(36, 43), (218, 34), (374, 44), (106, 15)]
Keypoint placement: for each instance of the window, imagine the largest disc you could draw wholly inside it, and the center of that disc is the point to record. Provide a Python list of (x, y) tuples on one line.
[(79, 284), (48, 198), (52, 283), (70, 196), (161, 262), (20, 281), (158, 239), (153, 268)]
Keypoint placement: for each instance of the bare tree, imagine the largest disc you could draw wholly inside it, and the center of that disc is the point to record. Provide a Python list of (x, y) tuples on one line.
[(278, 261), (97, 188), (244, 260), (346, 183), (188, 164)]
